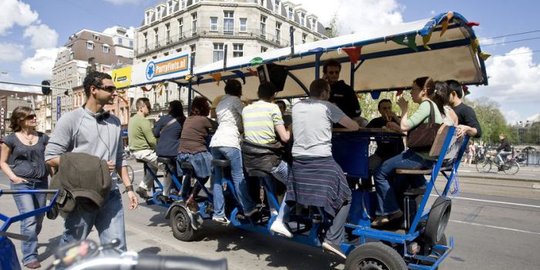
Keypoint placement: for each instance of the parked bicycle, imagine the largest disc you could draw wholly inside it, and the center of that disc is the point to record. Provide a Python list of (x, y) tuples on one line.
[(489, 162)]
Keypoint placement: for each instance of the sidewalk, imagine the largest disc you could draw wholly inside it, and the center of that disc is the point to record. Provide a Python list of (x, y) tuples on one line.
[(526, 173)]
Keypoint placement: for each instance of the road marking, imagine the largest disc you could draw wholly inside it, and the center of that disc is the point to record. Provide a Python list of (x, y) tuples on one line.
[(494, 227), (491, 201)]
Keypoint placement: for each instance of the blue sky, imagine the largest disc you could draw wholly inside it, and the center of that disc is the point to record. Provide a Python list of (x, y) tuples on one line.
[(32, 30)]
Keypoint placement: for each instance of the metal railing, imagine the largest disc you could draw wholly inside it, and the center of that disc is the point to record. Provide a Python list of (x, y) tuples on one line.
[(200, 32)]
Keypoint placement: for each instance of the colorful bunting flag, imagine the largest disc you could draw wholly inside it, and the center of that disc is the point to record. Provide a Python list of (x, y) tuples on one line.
[(475, 44), (409, 41), (425, 40), (471, 24), (253, 72), (188, 77), (147, 89), (353, 53), (256, 61), (375, 95), (217, 77), (240, 75), (484, 56), (444, 26)]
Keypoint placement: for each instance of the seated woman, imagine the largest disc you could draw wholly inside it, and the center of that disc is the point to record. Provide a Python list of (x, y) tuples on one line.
[(225, 144), (167, 130), (193, 148), (423, 92), (317, 180)]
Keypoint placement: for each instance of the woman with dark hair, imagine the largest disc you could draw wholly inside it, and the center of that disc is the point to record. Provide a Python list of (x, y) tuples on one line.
[(167, 130), (193, 148), (225, 144), (388, 208), (23, 161)]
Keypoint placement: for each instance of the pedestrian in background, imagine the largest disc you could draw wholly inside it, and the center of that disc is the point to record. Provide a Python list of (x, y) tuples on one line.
[(23, 162)]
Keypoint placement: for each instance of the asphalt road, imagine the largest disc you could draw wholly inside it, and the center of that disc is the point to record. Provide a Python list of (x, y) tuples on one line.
[(495, 224)]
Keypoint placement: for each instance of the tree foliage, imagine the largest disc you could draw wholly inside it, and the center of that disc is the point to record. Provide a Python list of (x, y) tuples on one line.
[(492, 121)]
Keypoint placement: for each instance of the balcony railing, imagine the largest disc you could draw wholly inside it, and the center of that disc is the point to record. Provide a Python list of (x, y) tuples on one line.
[(187, 35)]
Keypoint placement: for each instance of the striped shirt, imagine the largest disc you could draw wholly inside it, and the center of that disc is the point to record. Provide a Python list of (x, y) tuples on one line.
[(260, 119)]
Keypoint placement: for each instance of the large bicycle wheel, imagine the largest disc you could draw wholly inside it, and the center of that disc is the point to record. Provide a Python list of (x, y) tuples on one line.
[(511, 167), (483, 166)]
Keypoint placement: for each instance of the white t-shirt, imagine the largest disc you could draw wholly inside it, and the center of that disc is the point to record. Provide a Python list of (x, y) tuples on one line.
[(312, 127), (229, 117)]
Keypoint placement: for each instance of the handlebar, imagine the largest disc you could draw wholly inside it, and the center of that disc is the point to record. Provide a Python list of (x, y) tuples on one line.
[(133, 261), (28, 191)]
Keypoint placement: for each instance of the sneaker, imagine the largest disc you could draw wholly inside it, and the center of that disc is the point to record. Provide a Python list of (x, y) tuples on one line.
[(222, 220), (280, 228), (383, 220), (334, 249), (142, 193)]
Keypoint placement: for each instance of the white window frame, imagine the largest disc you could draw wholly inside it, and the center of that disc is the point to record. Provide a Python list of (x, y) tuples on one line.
[(214, 24), (243, 26), (238, 49), (89, 45), (263, 26), (194, 19), (228, 22), (106, 48), (278, 32), (218, 52)]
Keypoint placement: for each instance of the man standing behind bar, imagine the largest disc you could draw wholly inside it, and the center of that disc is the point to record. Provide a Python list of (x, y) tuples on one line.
[(341, 93)]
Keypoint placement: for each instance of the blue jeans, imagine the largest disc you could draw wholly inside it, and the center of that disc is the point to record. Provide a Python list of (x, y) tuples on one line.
[(108, 219), (385, 174), (234, 155), (30, 226)]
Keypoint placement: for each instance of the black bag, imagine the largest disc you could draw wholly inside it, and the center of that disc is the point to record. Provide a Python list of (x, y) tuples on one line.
[(421, 138)]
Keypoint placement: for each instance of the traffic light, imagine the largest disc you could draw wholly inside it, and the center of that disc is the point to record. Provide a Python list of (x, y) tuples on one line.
[(45, 87)]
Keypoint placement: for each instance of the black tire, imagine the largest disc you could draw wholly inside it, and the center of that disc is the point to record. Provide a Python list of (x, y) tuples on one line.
[(438, 218), (483, 166), (180, 222), (374, 256), (511, 167)]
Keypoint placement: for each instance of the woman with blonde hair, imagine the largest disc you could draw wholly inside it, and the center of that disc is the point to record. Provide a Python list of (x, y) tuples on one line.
[(23, 162)]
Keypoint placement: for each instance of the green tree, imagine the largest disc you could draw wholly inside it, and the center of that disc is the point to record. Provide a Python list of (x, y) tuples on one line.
[(492, 121)]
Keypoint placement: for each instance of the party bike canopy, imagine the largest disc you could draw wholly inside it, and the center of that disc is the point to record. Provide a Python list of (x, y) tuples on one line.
[(443, 47)]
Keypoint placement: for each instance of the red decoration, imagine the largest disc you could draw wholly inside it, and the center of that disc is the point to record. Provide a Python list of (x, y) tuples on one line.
[(471, 24), (353, 53)]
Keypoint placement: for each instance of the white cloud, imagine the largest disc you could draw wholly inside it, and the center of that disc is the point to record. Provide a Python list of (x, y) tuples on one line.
[(130, 31), (122, 2), (40, 65), (42, 36), (10, 52), (15, 12), (358, 16), (514, 81)]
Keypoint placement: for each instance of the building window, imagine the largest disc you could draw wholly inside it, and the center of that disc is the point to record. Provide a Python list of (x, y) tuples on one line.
[(106, 48), (89, 45), (278, 32), (263, 27), (156, 37), (193, 48), (228, 22), (243, 24), (194, 23), (145, 35), (304, 37), (213, 23), (302, 19), (277, 6), (238, 50), (290, 13), (180, 28), (218, 52), (168, 32), (263, 49), (261, 2)]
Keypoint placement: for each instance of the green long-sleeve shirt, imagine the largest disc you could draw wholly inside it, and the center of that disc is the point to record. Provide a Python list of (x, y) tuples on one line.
[(140, 134)]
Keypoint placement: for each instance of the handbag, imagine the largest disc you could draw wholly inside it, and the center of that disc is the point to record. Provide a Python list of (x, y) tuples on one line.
[(421, 138)]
